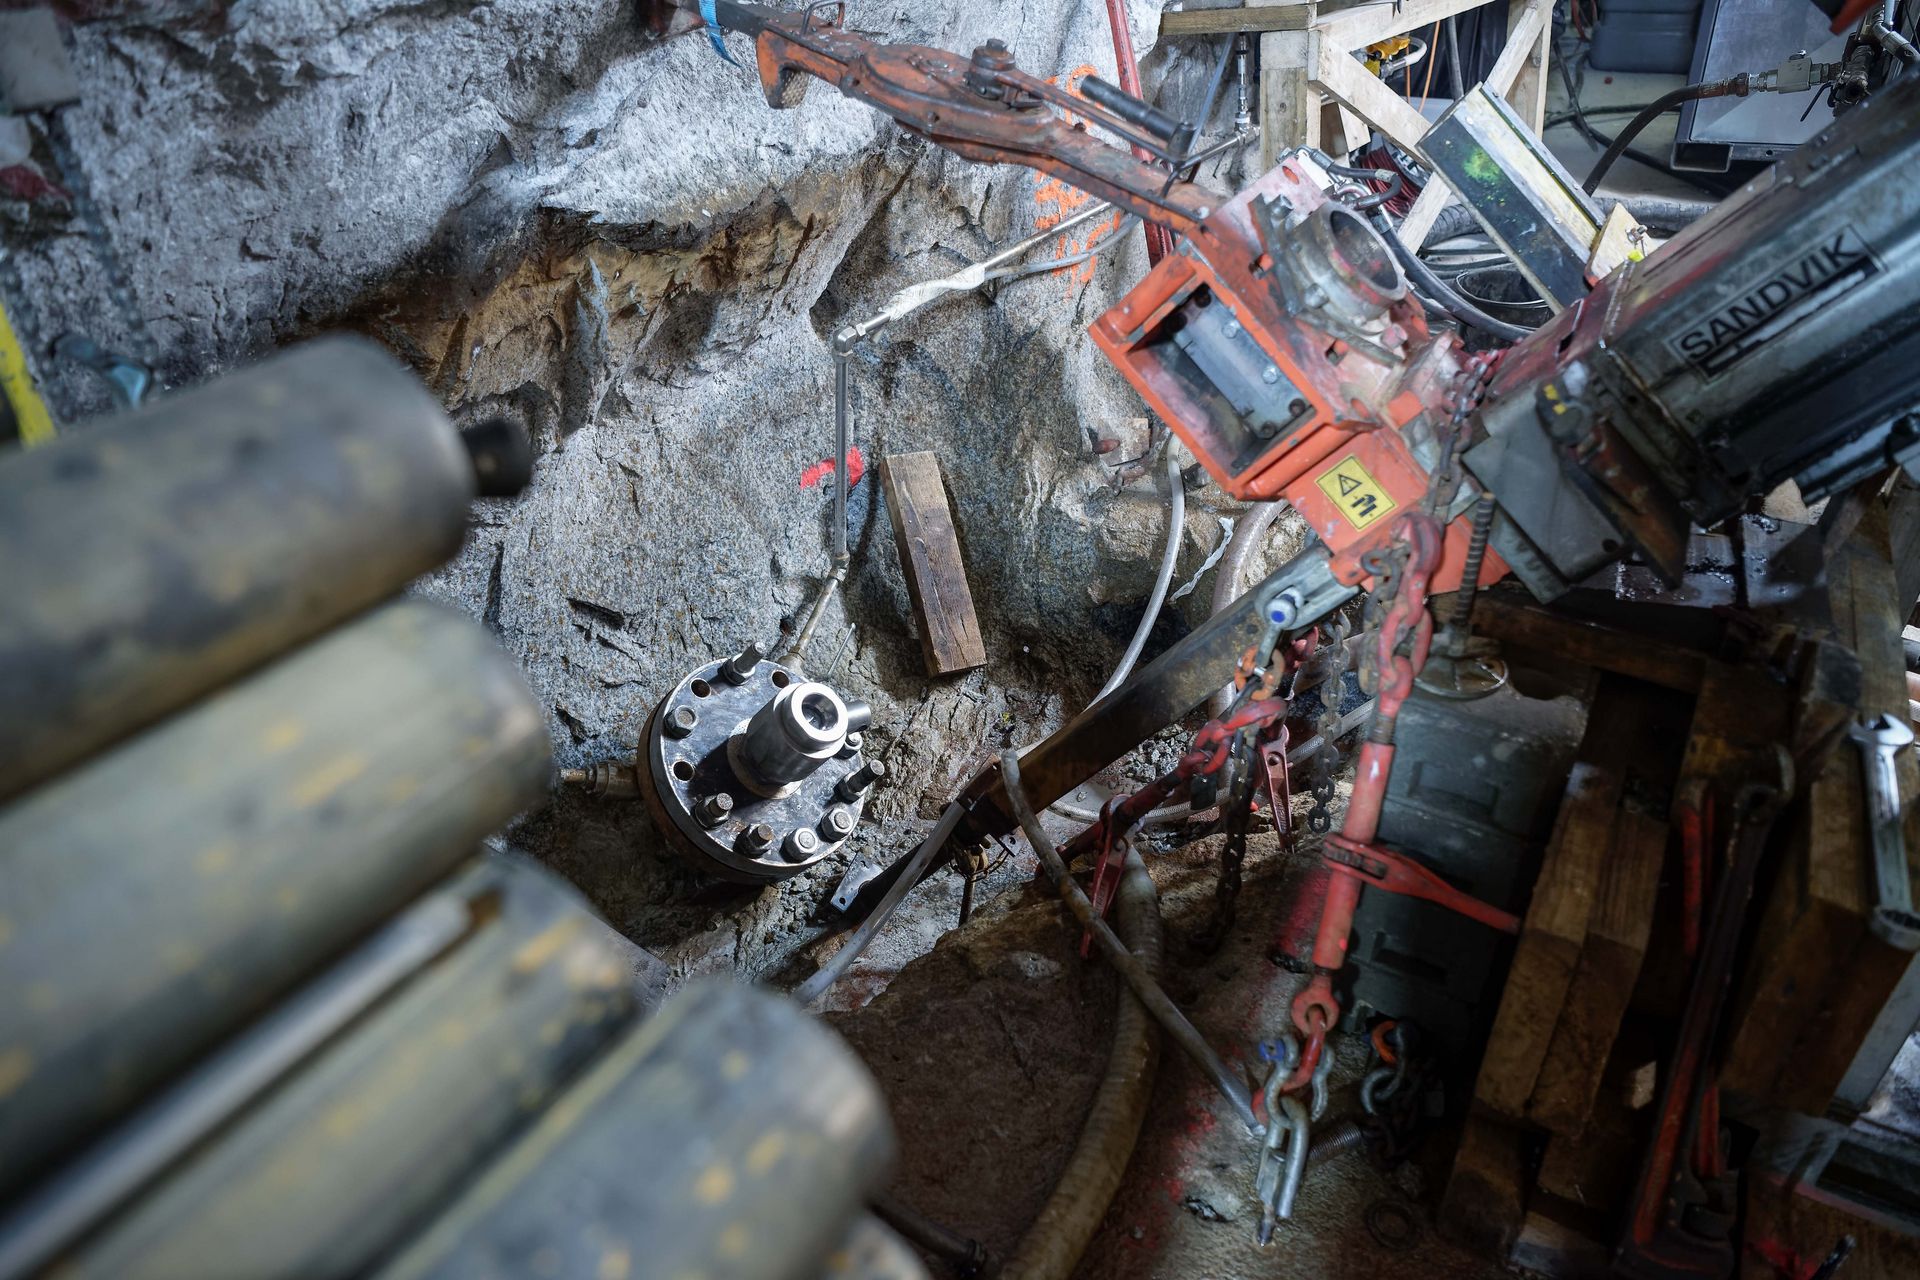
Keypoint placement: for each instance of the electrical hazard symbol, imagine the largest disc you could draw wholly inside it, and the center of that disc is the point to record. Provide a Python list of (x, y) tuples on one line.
[(1351, 488)]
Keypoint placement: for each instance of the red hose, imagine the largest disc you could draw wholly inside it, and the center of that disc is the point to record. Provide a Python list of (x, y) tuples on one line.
[(1159, 239)]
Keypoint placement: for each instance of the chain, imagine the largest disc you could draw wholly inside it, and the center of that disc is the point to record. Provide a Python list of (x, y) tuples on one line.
[(1233, 854)]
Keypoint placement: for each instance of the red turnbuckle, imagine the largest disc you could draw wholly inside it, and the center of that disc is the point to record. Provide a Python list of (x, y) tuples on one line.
[(1406, 633), (1379, 868)]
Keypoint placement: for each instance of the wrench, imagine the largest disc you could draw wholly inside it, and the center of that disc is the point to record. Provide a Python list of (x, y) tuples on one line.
[(1881, 738)]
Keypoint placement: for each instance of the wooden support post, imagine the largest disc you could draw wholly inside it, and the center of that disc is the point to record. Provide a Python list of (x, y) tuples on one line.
[(1603, 980), (936, 575), (1486, 1197), (1289, 103), (1551, 940), (1532, 38)]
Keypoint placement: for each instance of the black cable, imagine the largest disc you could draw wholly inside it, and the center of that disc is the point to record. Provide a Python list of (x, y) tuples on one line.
[(1666, 102), (1454, 73), (1424, 280), (1599, 139), (1394, 179)]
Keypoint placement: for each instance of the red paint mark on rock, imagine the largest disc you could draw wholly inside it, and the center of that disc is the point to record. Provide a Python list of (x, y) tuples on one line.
[(26, 182), (856, 467)]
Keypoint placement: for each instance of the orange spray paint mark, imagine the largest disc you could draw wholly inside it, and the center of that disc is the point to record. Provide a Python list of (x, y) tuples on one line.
[(1055, 201)]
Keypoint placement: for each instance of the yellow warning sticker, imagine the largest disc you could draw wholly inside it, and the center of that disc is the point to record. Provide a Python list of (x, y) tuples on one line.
[(1350, 487)]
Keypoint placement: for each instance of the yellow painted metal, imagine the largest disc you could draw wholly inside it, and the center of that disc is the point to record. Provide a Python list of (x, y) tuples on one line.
[(30, 414)]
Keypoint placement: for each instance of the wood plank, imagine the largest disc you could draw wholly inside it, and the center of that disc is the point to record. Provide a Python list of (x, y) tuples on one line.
[(1356, 26), (1348, 80), (1552, 937), (1603, 980), (1289, 103), (1529, 44), (1485, 1202), (1515, 620), (929, 544), (1819, 978), (1233, 21)]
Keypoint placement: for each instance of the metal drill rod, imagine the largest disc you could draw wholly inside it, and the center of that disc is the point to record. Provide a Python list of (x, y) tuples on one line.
[(1163, 1009), (86, 1191)]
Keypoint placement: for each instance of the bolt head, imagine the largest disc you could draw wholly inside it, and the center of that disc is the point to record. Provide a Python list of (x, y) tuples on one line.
[(851, 746), (837, 824), (758, 837), (1296, 406), (1270, 375), (1231, 328), (713, 810), (801, 844), (680, 722), (1284, 609)]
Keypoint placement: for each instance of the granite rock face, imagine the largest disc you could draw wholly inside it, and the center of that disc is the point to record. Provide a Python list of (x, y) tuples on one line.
[(548, 211)]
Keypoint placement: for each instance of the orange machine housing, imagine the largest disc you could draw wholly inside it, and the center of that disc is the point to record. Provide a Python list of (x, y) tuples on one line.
[(1364, 399)]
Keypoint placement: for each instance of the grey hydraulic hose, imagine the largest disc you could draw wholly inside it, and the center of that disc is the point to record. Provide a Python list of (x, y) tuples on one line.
[(816, 986), (1176, 525), (1231, 1086), (1054, 1243)]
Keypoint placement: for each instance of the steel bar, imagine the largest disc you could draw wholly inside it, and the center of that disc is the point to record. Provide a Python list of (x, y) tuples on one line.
[(157, 556), (1229, 1083), (729, 1135), (172, 889)]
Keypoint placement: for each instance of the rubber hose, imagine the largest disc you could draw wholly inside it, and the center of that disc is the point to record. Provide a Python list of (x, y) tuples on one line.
[(1233, 567), (1653, 111), (1052, 1246), (1230, 1083), (1176, 526), (1434, 287)]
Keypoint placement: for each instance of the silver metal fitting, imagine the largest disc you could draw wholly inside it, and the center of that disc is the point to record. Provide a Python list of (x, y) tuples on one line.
[(679, 722), (741, 666), (801, 844), (713, 810), (792, 734), (856, 783), (836, 824)]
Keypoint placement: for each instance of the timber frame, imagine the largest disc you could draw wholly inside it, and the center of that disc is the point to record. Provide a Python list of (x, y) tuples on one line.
[(1314, 92)]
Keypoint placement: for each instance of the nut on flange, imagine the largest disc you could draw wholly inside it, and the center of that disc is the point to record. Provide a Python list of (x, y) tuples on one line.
[(753, 771)]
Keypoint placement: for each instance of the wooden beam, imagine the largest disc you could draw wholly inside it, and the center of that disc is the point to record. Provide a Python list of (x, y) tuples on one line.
[(1515, 620), (1603, 980), (1552, 937), (1289, 102), (1359, 25), (1530, 45), (1221, 22), (930, 556), (1347, 79)]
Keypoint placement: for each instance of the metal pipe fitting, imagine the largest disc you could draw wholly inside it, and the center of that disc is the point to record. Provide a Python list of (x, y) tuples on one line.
[(795, 732)]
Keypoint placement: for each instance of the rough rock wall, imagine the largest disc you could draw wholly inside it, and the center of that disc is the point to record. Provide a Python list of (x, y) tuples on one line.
[(544, 209)]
